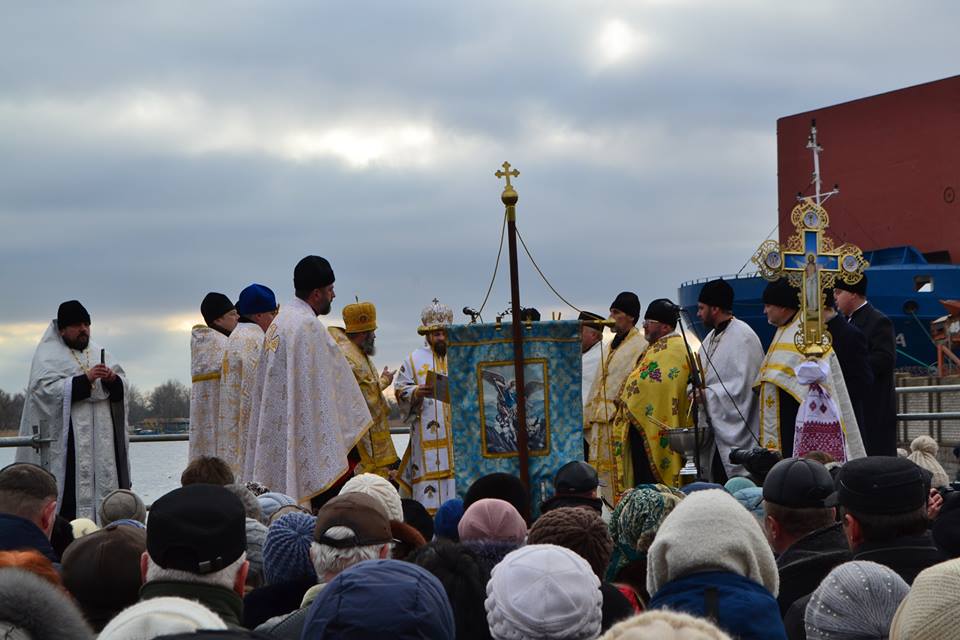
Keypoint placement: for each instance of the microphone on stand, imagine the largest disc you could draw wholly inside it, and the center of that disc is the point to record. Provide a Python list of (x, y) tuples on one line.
[(472, 313)]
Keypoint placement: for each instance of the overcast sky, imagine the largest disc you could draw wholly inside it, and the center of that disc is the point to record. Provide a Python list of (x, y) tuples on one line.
[(151, 152)]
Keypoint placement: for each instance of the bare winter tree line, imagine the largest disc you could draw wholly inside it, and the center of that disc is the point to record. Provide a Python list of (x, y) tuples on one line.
[(168, 401)]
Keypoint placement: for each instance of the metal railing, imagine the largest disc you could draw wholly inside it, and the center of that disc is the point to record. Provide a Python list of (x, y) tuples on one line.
[(38, 443)]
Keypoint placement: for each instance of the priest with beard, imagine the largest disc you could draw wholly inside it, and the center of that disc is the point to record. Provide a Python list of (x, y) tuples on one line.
[(307, 411), (617, 363), (76, 391), (357, 341), (426, 472)]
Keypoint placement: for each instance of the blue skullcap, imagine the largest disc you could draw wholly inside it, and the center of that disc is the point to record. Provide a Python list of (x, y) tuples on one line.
[(256, 299)]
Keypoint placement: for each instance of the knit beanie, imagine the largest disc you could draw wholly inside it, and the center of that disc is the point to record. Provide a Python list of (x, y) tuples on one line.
[(856, 601), (664, 625), (635, 521), (379, 488), (929, 612), (447, 519), (736, 483), (122, 504), (710, 531), (542, 592), (256, 536), (580, 530), (286, 550), (923, 453), (492, 519), (159, 617), (271, 501)]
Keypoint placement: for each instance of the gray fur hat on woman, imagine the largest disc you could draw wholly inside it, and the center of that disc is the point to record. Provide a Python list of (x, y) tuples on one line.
[(30, 604)]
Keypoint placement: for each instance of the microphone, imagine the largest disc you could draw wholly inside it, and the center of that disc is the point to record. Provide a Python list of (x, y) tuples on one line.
[(470, 312)]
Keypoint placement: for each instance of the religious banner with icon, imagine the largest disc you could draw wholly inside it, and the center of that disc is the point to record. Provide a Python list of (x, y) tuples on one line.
[(483, 401)]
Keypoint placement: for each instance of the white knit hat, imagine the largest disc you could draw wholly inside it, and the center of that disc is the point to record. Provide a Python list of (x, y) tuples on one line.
[(923, 453), (664, 625), (542, 591), (710, 531), (929, 612), (159, 617), (379, 488), (855, 601)]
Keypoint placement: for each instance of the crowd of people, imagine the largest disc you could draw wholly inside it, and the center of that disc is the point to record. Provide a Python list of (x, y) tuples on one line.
[(297, 518), (815, 549)]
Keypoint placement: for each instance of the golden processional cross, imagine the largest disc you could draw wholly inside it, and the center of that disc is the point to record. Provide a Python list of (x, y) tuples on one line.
[(812, 264)]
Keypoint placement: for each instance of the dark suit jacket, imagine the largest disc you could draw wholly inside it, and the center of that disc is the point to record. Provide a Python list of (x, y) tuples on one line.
[(850, 345), (880, 413)]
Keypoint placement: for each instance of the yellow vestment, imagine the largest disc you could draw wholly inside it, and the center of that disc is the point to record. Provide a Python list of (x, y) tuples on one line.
[(653, 396), (376, 448)]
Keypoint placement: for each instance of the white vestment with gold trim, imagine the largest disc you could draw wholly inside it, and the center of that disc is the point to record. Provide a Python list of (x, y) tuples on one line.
[(306, 411), (426, 473), (206, 357), (239, 372), (778, 371)]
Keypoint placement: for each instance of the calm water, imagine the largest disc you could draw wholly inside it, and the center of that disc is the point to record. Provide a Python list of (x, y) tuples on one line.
[(156, 466)]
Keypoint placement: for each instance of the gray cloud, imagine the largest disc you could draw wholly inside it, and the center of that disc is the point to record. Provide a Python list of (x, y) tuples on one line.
[(150, 152)]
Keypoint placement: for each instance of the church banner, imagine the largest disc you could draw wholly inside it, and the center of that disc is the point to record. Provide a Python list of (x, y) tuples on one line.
[(483, 401)]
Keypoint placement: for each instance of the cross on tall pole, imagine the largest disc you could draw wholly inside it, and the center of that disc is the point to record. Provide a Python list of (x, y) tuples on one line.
[(509, 198), (812, 264)]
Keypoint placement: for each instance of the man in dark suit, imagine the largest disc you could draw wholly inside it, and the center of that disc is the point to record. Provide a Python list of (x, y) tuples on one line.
[(880, 414), (851, 347)]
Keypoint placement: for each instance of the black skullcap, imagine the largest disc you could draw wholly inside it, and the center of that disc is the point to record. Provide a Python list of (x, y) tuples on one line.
[(881, 485), (200, 528), (860, 286), (313, 272), (662, 310), (416, 515), (213, 306), (71, 312), (798, 483), (717, 293), (781, 294), (628, 303), (587, 317), (575, 477)]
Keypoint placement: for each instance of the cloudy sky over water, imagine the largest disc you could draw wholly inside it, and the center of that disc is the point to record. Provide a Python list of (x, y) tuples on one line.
[(153, 151)]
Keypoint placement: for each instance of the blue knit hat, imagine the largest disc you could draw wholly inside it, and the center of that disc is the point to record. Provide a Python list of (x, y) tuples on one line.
[(447, 519), (256, 299), (286, 551)]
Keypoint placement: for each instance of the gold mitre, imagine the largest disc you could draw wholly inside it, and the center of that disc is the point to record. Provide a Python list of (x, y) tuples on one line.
[(359, 317), (434, 317)]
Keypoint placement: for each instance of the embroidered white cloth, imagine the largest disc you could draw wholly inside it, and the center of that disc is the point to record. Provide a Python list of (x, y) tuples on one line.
[(239, 373), (818, 419), (307, 411), (206, 356)]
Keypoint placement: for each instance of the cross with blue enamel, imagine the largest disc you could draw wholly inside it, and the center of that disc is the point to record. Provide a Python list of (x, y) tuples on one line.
[(813, 264)]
